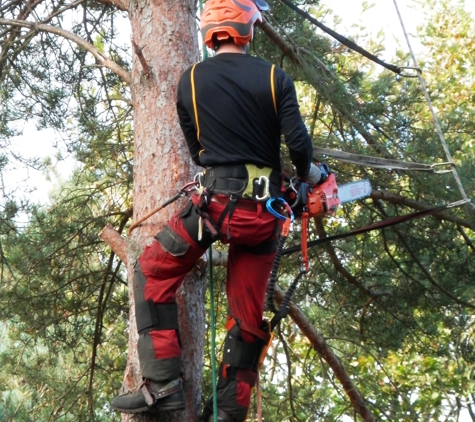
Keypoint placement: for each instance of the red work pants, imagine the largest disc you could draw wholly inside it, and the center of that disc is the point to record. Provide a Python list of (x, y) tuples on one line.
[(164, 264)]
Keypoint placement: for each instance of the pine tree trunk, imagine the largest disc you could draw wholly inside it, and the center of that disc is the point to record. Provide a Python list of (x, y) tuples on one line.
[(164, 36)]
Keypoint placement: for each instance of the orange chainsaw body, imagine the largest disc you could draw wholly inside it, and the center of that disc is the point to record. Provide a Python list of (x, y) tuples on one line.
[(323, 199)]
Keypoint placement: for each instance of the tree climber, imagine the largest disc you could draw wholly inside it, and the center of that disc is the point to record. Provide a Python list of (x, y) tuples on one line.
[(233, 109)]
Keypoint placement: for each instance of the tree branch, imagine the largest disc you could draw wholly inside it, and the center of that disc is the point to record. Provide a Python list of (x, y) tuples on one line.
[(289, 371), (411, 203), (120, 4), (102, 300), (466, 238), (116, 242), (320, 345), (283, 45), (100, 56)]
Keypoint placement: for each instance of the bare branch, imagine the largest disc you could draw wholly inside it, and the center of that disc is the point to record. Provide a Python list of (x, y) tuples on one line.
[(117, 243), (323, 349), (142, 60), (417, 205), (283, 45), (100, 57), (466, 238)]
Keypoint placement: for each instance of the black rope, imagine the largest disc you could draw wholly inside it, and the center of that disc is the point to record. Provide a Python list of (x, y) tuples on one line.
[(273, 275), (284, 307), (342, 39)]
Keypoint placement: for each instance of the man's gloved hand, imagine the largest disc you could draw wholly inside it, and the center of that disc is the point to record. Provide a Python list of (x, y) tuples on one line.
[(314, 175)]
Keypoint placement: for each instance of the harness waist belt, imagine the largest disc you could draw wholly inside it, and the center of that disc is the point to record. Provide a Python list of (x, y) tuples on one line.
[(242, 180)]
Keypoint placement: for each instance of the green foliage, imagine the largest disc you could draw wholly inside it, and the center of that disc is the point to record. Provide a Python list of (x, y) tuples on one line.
[(64, 305)]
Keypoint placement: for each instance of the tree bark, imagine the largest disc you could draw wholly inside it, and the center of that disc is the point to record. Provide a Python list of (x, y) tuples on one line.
[(165, 33)]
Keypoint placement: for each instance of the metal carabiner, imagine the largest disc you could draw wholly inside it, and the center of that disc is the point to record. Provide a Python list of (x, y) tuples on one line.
[(294, 189), (266, 180), (418, 71), (197, 179)]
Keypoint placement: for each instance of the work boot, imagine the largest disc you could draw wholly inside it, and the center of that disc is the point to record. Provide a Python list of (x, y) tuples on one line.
[(153, 397)]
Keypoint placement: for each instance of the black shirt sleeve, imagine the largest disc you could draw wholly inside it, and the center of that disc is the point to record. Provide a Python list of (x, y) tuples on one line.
[(292, 126)]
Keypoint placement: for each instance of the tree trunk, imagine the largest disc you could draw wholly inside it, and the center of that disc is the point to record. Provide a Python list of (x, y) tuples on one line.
[(164, 37)]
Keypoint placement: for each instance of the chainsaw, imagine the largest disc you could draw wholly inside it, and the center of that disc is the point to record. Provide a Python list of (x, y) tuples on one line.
[(318, 201), (323, 199)]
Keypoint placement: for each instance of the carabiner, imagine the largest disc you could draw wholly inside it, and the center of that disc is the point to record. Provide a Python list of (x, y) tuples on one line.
[(275, 213), (266, 192), (189, 187)]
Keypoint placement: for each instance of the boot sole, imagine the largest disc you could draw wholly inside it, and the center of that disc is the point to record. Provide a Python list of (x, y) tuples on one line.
[(167, 408), (169, 403)]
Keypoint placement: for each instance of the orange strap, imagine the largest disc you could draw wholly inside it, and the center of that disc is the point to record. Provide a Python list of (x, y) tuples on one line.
[(245, 327), (272, 87), (304, 240)]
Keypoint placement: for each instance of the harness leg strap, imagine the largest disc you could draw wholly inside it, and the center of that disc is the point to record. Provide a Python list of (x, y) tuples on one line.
[(241, 360), (153, 316)]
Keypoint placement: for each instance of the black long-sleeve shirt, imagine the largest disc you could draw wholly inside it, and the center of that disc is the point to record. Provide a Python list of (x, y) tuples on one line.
[(237, 122)]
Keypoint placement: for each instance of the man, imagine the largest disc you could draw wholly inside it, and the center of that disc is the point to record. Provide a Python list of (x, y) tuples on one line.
[(233, 109)]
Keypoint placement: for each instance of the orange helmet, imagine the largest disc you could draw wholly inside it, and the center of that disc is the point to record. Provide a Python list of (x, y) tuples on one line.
[(229, 19)]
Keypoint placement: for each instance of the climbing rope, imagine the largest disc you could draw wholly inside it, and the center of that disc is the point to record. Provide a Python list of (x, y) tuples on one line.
[(213, 335), (184, 191), (344, 40), (433, 113), (214, 372)]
